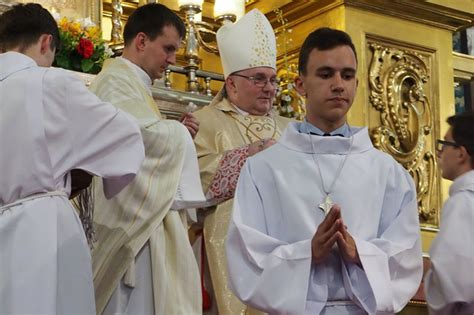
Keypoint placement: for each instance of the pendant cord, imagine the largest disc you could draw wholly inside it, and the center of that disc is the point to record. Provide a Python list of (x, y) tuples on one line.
[(341, 165)]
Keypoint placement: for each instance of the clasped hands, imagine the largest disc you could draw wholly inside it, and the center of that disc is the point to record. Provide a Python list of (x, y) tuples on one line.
[(333, 231)]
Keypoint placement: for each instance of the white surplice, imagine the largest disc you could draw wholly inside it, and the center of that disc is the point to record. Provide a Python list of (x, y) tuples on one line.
[(276, 214), (449, 284), (50, 124)]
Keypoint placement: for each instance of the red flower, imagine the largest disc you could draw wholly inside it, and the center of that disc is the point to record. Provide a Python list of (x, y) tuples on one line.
[(85, 48)]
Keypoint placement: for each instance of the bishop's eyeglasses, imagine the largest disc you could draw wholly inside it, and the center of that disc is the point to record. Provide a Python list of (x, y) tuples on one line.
[(440, 144), (260, 80)]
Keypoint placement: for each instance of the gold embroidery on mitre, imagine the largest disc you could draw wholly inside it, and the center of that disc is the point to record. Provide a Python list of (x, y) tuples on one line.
[(263, 53)]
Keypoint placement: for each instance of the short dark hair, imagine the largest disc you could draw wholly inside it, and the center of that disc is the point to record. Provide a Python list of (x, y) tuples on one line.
[(22, 25), (462, 126), (324, 38), (150, 19)]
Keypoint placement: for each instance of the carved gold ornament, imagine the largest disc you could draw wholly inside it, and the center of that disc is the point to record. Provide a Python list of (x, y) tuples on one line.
[(399, 82)]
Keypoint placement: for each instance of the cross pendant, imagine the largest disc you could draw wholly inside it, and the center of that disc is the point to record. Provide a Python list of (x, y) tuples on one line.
[(326, 205)]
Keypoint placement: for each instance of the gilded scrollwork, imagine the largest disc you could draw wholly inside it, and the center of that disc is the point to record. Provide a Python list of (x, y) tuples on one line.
[(399, 83)]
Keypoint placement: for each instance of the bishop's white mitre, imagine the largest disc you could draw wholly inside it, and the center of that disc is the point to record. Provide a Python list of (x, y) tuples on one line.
[(248, 43)]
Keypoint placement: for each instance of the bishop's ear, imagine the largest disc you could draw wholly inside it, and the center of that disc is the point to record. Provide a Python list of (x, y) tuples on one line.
[(230, 85), (300, 86)]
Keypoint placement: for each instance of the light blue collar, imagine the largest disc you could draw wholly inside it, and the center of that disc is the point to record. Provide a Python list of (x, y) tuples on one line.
[(306, 127)]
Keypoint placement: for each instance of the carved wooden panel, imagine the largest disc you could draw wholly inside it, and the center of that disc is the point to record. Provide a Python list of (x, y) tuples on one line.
[(401, 95)]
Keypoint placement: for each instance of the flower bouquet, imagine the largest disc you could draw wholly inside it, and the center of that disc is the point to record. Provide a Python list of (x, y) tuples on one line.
[(82, 47)]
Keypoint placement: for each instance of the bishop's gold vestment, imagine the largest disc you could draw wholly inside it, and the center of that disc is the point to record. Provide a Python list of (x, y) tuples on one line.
[(223, 128)]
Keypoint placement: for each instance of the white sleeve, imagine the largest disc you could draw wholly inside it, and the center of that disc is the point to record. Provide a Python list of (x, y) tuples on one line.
[(264, 272), (106, 141), (392, 262)]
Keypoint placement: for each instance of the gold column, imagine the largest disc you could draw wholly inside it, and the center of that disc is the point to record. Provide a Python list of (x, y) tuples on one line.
[(116, 35)]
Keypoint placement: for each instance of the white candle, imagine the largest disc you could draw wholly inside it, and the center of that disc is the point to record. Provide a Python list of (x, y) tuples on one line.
[(240, 9), (223, 7)]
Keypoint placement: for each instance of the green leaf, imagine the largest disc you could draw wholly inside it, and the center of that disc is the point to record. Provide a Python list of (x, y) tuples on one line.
[(63, 62), (86, 65)]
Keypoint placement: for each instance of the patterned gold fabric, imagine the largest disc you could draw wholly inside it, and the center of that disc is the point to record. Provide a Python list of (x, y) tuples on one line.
[(141, 212), (222, 128), (255, 128)]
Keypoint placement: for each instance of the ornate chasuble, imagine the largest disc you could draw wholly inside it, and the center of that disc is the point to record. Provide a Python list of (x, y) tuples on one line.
[(223, 128), (255, 128), (141, 212)]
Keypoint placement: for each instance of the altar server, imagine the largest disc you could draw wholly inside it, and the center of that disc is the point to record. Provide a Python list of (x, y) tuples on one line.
[(50, 124), (323, 223), (449, 284)]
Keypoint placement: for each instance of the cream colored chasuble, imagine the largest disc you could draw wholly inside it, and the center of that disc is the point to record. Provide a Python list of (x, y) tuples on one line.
[(141, 213)]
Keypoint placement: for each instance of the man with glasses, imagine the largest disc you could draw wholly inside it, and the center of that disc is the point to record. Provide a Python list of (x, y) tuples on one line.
[(237, 124), (449, 284)]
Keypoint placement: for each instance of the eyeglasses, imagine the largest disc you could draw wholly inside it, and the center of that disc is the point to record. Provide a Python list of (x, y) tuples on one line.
[(260, 80), (440, 144)]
